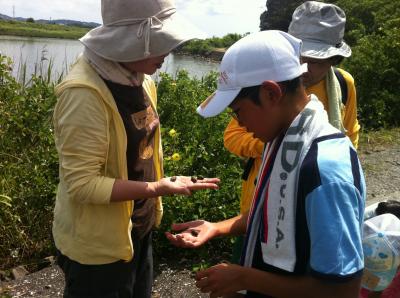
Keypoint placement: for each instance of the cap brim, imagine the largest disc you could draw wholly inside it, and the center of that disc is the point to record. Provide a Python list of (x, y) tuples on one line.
[(318, 50), (217, 102), (121, 43)]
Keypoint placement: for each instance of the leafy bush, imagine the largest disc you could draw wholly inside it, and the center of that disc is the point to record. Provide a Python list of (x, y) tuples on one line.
[(194, 146), (28, 167), (376, 68), (373, 31)]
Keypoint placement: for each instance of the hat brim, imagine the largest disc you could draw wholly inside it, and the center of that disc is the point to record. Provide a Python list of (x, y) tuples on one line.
[(217, 102), (318, 50), (121, 43)]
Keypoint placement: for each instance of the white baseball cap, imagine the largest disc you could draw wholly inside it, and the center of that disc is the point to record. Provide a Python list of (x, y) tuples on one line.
[(263, 56), (381, 247)]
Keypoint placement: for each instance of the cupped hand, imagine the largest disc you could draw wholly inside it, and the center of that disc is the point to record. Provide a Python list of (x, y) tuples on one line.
[(191, 234), (221, 280), (184, 185)]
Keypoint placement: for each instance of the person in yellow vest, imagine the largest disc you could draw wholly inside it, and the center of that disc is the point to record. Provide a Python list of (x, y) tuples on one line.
[(321, 28), (107, 135)]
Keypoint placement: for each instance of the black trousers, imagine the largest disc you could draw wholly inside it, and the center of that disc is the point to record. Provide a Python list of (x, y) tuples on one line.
[(121, 279)]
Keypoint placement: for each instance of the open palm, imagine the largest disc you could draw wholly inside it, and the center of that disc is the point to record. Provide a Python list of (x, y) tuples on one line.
[(191, 234)]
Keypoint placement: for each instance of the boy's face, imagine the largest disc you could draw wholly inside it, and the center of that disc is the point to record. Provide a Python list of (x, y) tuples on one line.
[(317, 70), (262, 120), (147, 66)]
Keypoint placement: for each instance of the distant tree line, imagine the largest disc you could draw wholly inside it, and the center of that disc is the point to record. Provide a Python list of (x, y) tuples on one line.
[(205, 47)]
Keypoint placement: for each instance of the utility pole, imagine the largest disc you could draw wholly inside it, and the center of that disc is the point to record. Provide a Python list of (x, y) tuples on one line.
[(13, 12)]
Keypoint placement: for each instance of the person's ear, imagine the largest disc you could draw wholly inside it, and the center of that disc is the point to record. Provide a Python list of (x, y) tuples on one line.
[(272, 90)]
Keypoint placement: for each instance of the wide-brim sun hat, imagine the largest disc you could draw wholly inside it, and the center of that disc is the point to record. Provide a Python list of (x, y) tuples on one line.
[(321, 27), (134, 30), (262, 56)]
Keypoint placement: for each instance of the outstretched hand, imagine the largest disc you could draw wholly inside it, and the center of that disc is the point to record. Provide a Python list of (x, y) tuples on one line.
[(191, 234), (185, 185)]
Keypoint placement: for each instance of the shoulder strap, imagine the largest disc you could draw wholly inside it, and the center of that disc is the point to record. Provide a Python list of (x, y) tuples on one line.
[(342, 83), (247, 168)]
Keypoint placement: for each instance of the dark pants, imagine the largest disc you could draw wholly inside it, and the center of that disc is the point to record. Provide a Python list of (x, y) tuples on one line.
[(116, 280)]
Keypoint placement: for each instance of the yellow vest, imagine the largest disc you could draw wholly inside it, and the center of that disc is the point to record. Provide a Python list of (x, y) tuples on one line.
[(91, 142)]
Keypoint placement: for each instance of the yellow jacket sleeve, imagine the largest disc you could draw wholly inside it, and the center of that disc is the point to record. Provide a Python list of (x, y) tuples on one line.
[(241, 142), (350, 121), (81, 135)]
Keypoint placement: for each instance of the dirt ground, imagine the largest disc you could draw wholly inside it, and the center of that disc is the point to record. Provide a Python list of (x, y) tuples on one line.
[(174, 278)]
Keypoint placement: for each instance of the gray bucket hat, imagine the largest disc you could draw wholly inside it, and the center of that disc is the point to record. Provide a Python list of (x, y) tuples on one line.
[(321, 28), (133, 30)]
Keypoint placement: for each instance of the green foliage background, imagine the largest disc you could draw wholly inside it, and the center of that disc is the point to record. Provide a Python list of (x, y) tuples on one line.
[(199, 143), (28, 167), (373, 32)]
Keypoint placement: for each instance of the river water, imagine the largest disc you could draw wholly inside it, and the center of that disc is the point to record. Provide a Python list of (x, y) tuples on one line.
[(36, 54)]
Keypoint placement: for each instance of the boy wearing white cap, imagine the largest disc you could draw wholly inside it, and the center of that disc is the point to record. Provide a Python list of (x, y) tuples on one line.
[(321, 28), (107, 136), (303, 230)]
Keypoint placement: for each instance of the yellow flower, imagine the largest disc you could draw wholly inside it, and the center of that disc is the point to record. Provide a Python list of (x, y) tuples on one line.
[(176, 157), (172, 133), (173, 84)]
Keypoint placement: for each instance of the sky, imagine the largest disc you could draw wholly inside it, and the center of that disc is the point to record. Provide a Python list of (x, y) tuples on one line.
[(214, 17)]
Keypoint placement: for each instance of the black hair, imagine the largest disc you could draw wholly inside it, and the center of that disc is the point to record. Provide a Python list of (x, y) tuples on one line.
[(389, 206), (291, 86), (250, 92), (336, 60), (288, 87)]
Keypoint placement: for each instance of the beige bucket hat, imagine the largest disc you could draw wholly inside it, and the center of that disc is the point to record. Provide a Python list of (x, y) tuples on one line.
[(133, 30), (321, 28)]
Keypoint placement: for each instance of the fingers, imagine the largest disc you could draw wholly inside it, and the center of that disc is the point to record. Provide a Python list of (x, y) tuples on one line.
[(202, 283), (180, 226), (180, 240), (203, 274), (184, 225), (206, 181), (207, 284), (174, 239), (184, 185), (194, 180), (203, 185), (209, 180)]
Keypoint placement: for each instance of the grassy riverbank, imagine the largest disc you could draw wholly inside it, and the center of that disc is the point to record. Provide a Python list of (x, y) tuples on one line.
[(41, 30)]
